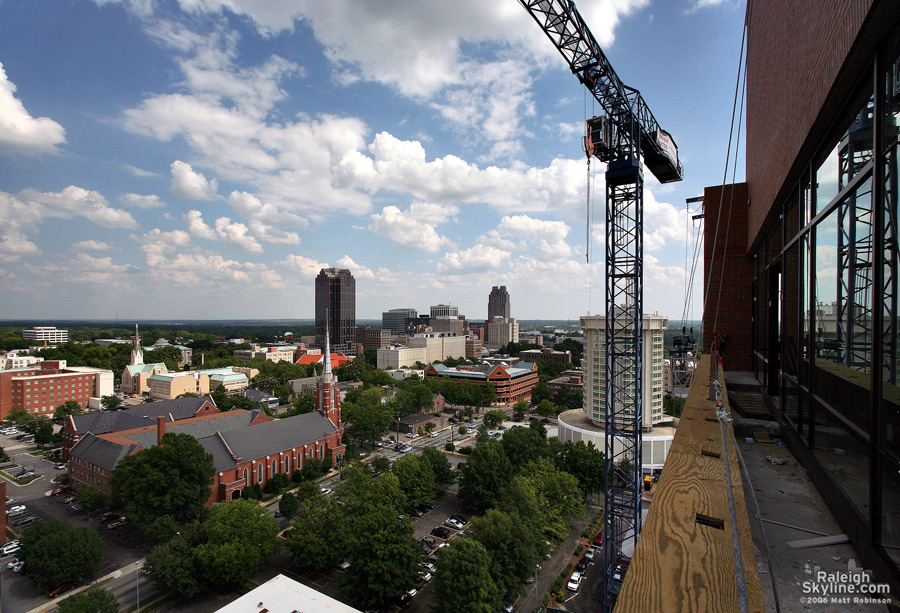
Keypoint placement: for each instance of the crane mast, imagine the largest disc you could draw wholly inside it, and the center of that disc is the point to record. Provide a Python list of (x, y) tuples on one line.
[(627, 132)]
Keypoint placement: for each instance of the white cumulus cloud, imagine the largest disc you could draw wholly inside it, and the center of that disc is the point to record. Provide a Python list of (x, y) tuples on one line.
[(187, 183), (475, 259), (307, 267), (91, 245), (414, 228), (19, 131), (150, 201)]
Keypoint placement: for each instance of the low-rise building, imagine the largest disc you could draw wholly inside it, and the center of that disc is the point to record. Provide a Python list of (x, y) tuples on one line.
[(372, 338), (474, 348), (511, 382), (46, 334), (40, 388), (571, 379), (440, 345), (135, 377), (11, 360), (270, 353), (166, 386), (388, 358), (546, 355), (414, 422), (186, 352)]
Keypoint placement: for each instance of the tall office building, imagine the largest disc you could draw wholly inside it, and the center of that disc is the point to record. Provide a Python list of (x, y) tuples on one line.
[(336, 296), (498, 303), (395, 319)]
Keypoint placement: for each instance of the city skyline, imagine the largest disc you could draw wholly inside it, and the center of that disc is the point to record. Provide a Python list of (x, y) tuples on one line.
[(212, 157)]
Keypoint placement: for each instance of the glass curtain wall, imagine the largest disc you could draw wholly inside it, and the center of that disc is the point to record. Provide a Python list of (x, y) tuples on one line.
[(830, 267)]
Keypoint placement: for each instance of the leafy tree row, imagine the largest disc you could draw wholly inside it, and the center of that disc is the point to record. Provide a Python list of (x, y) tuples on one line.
[(56, 553), (222, 551), (364, 520)]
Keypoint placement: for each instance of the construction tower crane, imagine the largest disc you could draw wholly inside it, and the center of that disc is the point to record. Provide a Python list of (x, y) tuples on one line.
[(627, 131)]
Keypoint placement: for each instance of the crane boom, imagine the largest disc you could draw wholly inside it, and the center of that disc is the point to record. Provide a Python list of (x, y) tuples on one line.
[(563, 24)]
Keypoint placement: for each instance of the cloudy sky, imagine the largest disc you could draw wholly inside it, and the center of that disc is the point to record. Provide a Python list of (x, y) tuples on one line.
[(203, 159)]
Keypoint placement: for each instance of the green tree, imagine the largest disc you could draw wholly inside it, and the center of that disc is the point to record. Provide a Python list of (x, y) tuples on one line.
[(171, 566), (239, 535), (369, 417), (493, 418), (4, 457), (584, 461), (463, 580), (94, 600), (545, 408), (557, 494), (43, 430), (385, 556), (416, 479), (573, 345), (56, 553), (484, 475), (539, 428), (540, 393), (514, 546), (69, 407), (169, 479), (303, 404), (110, 402), (521, 406), (381, 464), (288, 505), (17, 416), (488, 394), (319, 535), (521, 445), (90, 498), (440, 466)]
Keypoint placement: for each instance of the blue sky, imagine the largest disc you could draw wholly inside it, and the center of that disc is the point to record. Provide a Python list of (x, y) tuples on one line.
[(204, 159)]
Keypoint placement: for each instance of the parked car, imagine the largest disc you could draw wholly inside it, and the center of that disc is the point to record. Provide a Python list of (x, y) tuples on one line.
[(441, 532), (19, 508), (582, 565), (574, 581), (60, 466), (10, 547), (17, 567), (69, 500), (452, 420), (454, 523), (107, 517), (598, 540), (327, 491), (344, 565), (115, 524), (61, 590), (460, 518), (60, 490), (428, 566), (589, 554), (424, 577), (406, 449)]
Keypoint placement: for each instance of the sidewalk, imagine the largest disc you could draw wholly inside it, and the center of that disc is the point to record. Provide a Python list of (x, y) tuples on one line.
[(49, 606), (551, 568)]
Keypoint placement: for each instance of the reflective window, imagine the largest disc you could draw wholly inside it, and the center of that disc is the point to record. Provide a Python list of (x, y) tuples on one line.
[(844, 455)]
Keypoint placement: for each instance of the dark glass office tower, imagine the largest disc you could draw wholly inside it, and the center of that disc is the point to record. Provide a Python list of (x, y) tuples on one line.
[(498, 303), (336, 296)]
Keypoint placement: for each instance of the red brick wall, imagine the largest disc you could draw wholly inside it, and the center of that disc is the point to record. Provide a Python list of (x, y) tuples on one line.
[(729, 311), (795, 52)]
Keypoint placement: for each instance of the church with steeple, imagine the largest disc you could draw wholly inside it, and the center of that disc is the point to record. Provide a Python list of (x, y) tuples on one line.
[(327, 399), (136, 374)]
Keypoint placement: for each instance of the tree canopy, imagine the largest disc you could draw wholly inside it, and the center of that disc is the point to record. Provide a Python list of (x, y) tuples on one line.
[(463, 580), (368, 417), (169, 479), (484, 474), (55, 553), (318, 537), (94, 600), (239, 535)]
